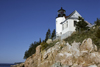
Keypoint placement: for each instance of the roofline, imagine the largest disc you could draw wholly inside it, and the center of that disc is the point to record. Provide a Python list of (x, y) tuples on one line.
[(69, 16)]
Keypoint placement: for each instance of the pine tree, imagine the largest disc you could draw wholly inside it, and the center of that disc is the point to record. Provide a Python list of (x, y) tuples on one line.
[(81, 25), (98, 33), (26, 55), (48, 35), (40, 41), (97, 22), (53, 34), (32, 49)]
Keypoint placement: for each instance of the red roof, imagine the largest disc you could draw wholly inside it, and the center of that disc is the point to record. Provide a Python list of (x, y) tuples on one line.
[(66, 16)]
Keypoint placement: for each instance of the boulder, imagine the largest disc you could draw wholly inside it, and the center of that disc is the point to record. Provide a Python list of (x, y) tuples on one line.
[(92, 66), (67, 48), (33, 60), (18, 65), (74, 55), (98, 65), (75, 49), (64, 57), (57, 64), (30, 61), (38, 50), (95, 47), (49, 41), (87, 45), (95, 57)]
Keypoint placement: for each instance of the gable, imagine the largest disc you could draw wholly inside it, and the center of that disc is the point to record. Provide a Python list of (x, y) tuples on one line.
[(74, 15)]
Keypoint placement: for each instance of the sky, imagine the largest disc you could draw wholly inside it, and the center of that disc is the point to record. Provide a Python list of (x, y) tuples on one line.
[(24, 21)]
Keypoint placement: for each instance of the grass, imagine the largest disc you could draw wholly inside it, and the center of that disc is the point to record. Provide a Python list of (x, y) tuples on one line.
[(51, 44), (79, 37), (47, 46)]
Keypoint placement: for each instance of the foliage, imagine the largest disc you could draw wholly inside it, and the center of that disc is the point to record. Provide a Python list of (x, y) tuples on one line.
[(81, 25), (26, 54), (43, 45), (47, 46), (51, 44), (97, 22), (48, 35), (98, 32), (84, 35), (31, 50), (53, 34), (40, 40)]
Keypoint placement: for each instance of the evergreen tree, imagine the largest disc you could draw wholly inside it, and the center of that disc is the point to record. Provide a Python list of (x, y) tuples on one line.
[(98, 33), (53, 34), (48, 35), (81, 25), (32, 49), (97, 22), (40, 41), (26, 55)]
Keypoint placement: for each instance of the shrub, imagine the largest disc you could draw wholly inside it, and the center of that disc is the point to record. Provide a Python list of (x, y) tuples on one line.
[(81, 25), (47, 46), (94, 34), (43, 45), (98, 33), (97, 22), (31, 50)]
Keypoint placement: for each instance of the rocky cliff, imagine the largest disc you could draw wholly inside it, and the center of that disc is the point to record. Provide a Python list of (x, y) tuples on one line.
[(63, 54)]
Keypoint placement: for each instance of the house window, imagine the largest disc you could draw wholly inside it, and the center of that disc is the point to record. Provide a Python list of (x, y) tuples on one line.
[(75, 23), (62, 26), (66, 24)]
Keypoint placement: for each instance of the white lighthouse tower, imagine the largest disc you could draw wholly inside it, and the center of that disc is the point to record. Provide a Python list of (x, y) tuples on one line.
[(60, 18)]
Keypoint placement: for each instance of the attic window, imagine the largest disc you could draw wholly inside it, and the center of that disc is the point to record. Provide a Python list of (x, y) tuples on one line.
[(75, 23)]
